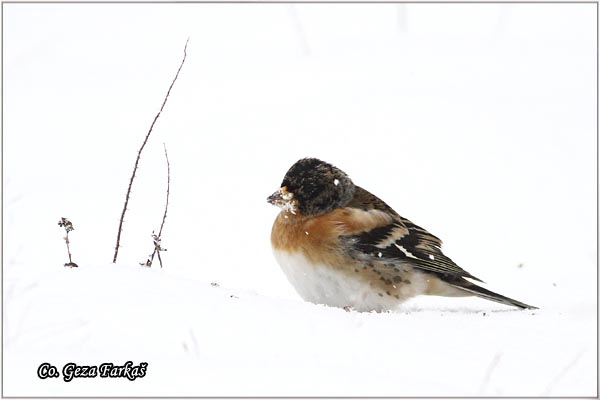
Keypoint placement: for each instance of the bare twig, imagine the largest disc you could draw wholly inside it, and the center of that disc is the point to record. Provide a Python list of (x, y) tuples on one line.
[(158, 248), (137, 160), (168, 191), (157, 238), (68, 225), (159, 259)]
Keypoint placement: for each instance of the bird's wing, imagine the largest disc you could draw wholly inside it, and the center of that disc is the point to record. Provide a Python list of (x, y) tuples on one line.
[(400, 241)]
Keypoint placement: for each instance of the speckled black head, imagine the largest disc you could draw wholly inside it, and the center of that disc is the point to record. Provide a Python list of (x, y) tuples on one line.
[(318, 187)]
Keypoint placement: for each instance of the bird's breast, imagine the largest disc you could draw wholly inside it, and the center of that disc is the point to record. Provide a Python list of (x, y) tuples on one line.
[(324, 284), (316, 238), (323, 271)]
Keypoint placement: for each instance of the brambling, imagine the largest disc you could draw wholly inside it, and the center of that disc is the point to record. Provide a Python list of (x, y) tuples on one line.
[(341, 246)]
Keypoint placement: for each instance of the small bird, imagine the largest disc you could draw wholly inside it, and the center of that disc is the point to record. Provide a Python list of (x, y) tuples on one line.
[(341, 246)]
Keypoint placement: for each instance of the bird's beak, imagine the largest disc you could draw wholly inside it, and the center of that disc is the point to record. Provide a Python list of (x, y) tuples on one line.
[(275, 198), (283, 199)]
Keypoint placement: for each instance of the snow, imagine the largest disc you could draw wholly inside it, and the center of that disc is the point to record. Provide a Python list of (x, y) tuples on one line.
[(196, 339), (475, 121)]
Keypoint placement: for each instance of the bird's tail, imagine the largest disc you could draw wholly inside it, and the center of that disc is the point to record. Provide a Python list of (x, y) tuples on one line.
[(488, 294)]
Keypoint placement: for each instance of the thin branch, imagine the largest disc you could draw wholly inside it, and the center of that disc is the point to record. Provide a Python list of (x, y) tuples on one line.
[(137, 160), (159, 259), (168, 191), (68, 248), (157, 248)]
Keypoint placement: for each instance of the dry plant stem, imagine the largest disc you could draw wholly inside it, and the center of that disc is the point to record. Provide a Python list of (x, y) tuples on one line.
[(159, 259), (68, 225), (137, 160), (166, 208), (68, 248)]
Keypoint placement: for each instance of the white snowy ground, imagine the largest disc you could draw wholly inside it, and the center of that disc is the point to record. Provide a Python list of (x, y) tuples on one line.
[(478, 122)]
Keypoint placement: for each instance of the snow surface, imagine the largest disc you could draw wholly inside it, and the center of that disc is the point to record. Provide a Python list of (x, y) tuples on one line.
[(476, 121)]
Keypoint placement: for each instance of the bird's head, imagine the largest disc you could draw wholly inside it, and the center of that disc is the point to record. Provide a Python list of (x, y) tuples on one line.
[(313, 187)]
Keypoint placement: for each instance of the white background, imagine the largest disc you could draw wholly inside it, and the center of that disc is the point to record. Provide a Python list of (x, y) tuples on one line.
[(475, 121)]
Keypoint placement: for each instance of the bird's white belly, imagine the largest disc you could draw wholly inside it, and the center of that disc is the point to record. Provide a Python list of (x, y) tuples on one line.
[(321, 284)]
